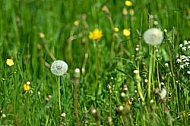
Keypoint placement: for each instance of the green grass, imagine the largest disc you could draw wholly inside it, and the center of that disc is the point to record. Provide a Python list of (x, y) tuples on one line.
[(106, 67)]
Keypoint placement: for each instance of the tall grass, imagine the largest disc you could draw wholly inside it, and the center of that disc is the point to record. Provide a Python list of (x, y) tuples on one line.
[(112, 88)]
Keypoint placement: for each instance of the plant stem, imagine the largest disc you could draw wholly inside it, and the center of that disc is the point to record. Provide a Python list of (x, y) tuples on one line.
[(150, 71), (59, 94), (76, 83), (110, 101)]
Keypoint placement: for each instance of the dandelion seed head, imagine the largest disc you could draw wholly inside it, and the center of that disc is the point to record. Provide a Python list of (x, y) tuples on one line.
[(153, 36), (59, 67)]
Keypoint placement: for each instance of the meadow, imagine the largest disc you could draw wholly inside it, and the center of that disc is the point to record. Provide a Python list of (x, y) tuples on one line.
[(115, 76)]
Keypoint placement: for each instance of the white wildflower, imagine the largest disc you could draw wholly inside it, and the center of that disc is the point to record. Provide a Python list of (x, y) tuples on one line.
[(188, 72), (183, 57), (188, 47), (181, 66), (59, 67), (178, 61), (181, 45), (184, 48), (186, 64), (185, 42)]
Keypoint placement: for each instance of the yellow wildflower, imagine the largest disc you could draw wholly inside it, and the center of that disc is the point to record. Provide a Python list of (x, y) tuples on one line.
[(126, 32), (96, 34), (188, 10), (130, 102), (10, 62), (41, 35), (128, 3), (26, 86), (76, 23), (116, 29)]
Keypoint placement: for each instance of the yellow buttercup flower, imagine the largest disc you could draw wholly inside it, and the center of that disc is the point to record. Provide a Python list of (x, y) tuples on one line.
[(10, 62), (126, 32), (26, 86), (116, 29), (76, 23), (96, 34), (128, 3)]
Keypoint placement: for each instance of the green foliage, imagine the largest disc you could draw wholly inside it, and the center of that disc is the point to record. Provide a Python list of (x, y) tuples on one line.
[(112, 88)]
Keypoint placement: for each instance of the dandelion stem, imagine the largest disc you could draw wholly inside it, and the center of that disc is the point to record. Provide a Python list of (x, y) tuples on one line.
[(59, 94), (150, 72), (110, 101), (76, 83)]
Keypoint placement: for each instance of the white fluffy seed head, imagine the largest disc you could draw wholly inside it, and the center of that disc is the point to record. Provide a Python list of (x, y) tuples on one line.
[(59, 67), (153, 36)]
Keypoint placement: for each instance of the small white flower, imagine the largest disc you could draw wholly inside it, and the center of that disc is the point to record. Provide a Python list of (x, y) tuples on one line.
[(186, 59), (59, 67), (163, 93), (188, 72), (183, 57), (178, 60), (188, 47), (185, 42), (153, 36), (184, 48), (166, 64), (181, 45), (181, 66), (136, 71), (151, 101), (3, 115), (186, 64)]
